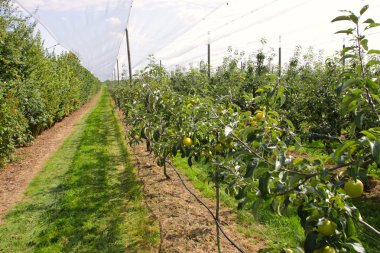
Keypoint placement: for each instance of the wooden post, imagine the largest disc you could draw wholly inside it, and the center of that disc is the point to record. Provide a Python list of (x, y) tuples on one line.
[(160, 64), (209, 56), (279, 57), (117, 66), (129, 56)]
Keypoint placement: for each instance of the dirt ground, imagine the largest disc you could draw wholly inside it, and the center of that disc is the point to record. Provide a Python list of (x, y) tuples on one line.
[(185, 224), (374, 194), (16, 176)]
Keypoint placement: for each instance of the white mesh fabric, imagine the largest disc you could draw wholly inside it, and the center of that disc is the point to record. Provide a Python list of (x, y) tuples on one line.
[(176, 32), (92, 29)]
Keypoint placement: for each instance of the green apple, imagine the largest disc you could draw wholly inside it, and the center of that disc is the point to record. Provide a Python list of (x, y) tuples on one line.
[(354, 189), (187, 141), (327, 227), (325, 249)]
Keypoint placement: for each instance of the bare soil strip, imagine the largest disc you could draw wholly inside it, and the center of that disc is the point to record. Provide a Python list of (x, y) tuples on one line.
[(16, 176), (185, 225)]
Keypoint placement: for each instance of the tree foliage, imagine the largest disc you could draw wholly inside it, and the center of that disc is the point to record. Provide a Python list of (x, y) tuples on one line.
[(245, 122), (37, 89)]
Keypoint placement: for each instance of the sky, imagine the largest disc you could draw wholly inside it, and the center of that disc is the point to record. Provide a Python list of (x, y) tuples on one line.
[(177, 31)]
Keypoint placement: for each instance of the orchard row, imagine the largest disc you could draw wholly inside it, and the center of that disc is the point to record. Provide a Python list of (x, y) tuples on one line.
[(249, 126), (37, 89)]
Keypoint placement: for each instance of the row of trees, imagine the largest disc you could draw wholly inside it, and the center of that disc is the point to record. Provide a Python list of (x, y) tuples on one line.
[(245, 123), (37, 88)]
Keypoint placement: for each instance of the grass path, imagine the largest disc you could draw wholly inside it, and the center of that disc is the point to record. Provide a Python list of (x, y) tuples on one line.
[(86, 199)]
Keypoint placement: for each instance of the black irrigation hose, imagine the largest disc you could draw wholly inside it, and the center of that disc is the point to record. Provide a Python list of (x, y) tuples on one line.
[(208, 209)]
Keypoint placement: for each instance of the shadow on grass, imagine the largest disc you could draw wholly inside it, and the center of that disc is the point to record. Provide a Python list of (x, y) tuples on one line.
[(87, 207)]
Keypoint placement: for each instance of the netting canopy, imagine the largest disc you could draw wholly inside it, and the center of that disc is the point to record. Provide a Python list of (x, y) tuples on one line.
[(177, 32)]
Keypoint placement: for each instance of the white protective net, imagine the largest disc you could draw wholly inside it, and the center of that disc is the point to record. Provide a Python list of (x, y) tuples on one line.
[(177, 32)]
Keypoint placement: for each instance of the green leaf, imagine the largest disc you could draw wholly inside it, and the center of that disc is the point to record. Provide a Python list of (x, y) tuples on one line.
[(351, 56), (357, 247), (290, 124), (359, 120), (364, 9), (280, 91), (369, 135), (373, 51), (282, 100), (280, 95), (264, 184), (143, 133), (372, 62), (241, 193), (350, 101), (350, 104), (374, 87), (197, 158), (311, 242), (260, 90), (354, 18), (250, 133), (251, 166), (375, 148), (345, 85), (376, 97), (369, 21), (183, 152), (364, 44), (346, 49), (174, 150), (189, 161), (351, 144), (341, 18), (351, 229), (372, 25), (348, 31)]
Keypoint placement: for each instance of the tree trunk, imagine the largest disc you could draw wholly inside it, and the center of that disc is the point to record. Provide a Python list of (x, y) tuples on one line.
[(165, 173)]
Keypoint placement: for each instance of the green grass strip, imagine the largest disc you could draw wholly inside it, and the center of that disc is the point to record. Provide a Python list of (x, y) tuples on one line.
[(87, 198)]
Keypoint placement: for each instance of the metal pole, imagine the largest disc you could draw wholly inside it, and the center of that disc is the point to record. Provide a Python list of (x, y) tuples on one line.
[(209, 60), (344, 46), (209, 56), (118, 77), (279, 57), (129, 56)]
